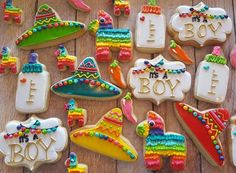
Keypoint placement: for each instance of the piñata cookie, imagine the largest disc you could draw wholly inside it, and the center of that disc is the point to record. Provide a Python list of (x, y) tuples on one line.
[(159, 143), (110, 39)]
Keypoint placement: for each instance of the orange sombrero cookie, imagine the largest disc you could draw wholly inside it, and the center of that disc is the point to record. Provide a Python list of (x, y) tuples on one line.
[(49, 30), (105, 137)]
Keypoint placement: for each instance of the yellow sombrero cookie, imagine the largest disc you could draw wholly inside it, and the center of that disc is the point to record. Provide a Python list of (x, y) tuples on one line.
[(105, 137)]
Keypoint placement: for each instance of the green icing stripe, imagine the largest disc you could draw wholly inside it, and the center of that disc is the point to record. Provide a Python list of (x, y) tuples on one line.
[(216, 59), (164, 147), (48, 34), (32, 68)]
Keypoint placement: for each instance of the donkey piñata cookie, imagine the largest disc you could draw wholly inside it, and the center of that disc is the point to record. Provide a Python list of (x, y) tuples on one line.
[(159, 143)]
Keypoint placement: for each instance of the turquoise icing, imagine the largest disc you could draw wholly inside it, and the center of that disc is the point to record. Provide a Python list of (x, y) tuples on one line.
[(32, 68)]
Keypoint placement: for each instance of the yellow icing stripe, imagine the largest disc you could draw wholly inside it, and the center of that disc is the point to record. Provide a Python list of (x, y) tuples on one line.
[(87, 76), (69, 58), (166, 153), (46, 21), (114, 45)]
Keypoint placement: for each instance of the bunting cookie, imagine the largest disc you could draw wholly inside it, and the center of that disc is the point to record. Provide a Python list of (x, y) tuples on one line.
[(200, 25), (106, 137), (33, 142), (204, 127), (158, 80), (86, 83), (49, 30)]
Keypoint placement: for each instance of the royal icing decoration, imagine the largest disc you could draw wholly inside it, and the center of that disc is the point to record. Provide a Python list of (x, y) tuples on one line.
[(159, 143), (127, 108), (86, 83), (49, 30), (75, 115), (212, 78), (33, 142), (159, 80), (106, 137), (121, 6), (178, 53), (72, 165), (233, 140), (64, 60), (116, 74), (204, 127), (233, 57), (150, 33), (33, 86), (108, 38), (79, 5), (200, 25), (8, 62), (12, 13)]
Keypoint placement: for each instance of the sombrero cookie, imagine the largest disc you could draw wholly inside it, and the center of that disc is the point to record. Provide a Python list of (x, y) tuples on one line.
[(106, 137), (49, 30), (86, 83), (204, 127)]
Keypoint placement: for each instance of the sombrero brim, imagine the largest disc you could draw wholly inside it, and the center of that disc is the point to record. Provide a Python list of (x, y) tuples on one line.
[(104, 145), (50, 35), (73, 87)]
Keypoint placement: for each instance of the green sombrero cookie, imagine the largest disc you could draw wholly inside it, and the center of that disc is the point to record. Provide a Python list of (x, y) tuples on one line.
[(49, 30)]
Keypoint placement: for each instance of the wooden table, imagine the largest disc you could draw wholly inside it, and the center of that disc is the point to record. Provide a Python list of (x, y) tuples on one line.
[(85, 46)]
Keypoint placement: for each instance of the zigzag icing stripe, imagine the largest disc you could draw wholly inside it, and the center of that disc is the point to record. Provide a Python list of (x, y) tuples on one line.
[(87, 76)]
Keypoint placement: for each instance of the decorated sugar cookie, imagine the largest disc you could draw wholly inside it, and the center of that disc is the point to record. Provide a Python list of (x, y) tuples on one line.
[(233, 57), (33, 142), (158, 80), (79, 5), (8, 62), (159, 143), (86, 83), (106, 137), (212, 78), (64, 60), (150, 31), (121, 6), (33, 86), (49, 30), (200, 25), (75, 115), (204, 127), (73, 166), (178, 53), (12, 13), (109, 38), (127, 108), (116, 74), (233, 139)]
